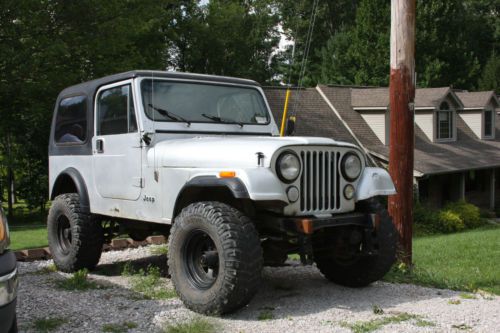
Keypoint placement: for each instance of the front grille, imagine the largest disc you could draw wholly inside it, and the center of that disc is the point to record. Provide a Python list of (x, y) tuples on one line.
[(320, 181)]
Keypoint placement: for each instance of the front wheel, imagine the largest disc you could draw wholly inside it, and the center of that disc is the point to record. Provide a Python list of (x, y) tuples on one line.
[(75, 238), (346, 261), (214, 258)]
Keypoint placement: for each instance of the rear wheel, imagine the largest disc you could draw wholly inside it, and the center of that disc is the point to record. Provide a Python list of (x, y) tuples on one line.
[(214, 258), (347, 261), (75, 238)]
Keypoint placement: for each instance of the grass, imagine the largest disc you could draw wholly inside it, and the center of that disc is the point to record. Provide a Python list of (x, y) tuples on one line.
[(197, 325), (375, 324), (43, 325), (119, 328), (28, 237), (158, 250), (266, 315), (148, 283), (466, 261), (77, 282)]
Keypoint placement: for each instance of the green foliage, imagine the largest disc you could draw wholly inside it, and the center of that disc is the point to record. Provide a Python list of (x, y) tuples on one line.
[(490, 77), (455, 216), (119, 328), (77, 282), (159, 249), (197, 325), (266, 314), (463, 261), (468, 213), (45, 325), (450, 221), (375, 324), (148, 282)]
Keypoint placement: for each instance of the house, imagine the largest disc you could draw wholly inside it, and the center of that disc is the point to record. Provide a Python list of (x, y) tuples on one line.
[(457, 135)]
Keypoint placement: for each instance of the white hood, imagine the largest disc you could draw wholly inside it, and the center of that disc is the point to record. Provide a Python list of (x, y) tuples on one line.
[(226, 151)]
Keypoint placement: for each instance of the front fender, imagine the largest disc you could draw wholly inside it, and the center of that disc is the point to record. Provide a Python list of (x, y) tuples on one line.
[(374, 182), (262, 184)]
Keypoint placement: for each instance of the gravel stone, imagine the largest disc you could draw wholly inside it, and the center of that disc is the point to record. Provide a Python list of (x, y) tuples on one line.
[(298, 297)]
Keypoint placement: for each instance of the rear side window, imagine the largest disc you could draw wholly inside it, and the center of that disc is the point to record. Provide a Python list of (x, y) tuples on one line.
[(71, 121), (115, 111)]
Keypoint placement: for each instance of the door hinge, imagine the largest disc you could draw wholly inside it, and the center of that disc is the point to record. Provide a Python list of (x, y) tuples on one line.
[(139, 182)]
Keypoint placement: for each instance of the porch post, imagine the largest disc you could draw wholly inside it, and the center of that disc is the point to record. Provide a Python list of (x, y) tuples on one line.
[(492, 189), (462, 186)]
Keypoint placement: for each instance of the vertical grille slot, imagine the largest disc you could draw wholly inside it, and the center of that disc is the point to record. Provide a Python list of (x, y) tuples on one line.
[(319, 181)]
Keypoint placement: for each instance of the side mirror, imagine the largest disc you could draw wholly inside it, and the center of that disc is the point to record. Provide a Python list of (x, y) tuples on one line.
[(290, 126), (146, 137)]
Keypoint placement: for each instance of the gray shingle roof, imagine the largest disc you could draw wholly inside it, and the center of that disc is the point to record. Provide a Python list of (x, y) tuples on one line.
[(314, 116), (370, 97), (466, 153), (475, 99)]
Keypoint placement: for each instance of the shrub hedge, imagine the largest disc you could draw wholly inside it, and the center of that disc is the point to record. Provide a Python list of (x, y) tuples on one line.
[(455, 216)]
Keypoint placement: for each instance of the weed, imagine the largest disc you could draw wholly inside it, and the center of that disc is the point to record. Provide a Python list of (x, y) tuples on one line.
[(377, 309), (462, 327), (197, 325), (266, 315), (424, 323), (467, 296), (159, 250), (119, 328), (43, 325), (147, 282), (375, 324), (454, 301), (48, 269), (78, 281)]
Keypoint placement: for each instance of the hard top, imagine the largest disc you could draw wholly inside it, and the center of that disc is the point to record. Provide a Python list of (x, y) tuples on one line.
[(90, 87)]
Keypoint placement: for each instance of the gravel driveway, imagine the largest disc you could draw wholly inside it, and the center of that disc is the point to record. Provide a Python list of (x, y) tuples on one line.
[(291, 299)]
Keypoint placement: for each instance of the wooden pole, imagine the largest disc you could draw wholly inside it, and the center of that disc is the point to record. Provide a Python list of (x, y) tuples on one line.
[(285, 112), (402, 95)]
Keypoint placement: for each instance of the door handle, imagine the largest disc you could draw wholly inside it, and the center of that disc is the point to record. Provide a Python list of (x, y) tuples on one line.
[(99, 146)]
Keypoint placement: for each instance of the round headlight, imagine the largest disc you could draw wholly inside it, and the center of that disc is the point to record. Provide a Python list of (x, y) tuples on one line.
[(288, 167), (351, 166)]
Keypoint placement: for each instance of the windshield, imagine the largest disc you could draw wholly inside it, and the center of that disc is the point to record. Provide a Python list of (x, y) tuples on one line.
[(199, 102)]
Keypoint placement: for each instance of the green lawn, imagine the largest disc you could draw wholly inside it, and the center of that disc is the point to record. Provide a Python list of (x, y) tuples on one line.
[(28, 237), (463, 261)]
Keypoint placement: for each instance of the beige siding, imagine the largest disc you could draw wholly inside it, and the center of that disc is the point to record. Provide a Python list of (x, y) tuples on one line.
[(377, 122), (425, 120), (474, 120)]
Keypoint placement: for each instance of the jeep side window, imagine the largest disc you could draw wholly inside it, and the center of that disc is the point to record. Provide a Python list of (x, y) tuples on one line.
[(71, 120), (115, 111)]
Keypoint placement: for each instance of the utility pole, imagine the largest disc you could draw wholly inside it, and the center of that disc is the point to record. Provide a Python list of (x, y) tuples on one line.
[(402, 95)]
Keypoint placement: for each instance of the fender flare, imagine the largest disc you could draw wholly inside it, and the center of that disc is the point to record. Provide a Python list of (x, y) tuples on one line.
[(234, 185), (81, 187)]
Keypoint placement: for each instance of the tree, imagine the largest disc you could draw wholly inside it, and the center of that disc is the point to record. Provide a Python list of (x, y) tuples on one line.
[(490, 78)]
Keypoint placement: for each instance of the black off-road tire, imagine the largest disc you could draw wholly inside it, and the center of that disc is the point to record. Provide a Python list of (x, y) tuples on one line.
[(239, 258), (367, 269), (83, 247)]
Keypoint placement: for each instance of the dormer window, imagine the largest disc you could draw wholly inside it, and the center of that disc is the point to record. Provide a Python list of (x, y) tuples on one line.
[(488, 124), (444, 124)]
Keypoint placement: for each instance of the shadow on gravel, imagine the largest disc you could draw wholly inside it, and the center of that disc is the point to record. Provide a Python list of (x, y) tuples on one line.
[(297, 290), (116, 268)]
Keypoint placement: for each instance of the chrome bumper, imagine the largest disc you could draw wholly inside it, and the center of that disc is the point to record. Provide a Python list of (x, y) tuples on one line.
[(8, 287)]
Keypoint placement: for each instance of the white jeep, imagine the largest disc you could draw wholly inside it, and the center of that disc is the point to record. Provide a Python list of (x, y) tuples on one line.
[(199, 159)]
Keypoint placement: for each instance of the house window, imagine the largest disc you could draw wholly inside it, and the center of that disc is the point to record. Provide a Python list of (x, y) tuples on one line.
[(488, 123), (444, 122)]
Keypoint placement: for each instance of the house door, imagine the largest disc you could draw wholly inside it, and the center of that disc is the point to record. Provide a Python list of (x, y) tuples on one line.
[(117, 145)]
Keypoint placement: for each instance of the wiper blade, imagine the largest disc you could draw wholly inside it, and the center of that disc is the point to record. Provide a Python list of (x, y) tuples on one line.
[(220, 120), (169, 114)]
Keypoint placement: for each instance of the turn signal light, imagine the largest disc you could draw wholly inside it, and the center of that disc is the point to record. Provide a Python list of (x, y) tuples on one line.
[(306, 226), (227, 174), (2, 228)]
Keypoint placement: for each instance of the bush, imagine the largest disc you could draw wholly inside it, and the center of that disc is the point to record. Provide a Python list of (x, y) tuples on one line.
[(450, 221), (470, 214)]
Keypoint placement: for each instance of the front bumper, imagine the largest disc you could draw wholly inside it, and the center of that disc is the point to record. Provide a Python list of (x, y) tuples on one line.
[(8, 290), (308, 225)]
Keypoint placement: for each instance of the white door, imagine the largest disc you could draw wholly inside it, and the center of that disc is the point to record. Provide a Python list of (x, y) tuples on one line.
[(117, 144)]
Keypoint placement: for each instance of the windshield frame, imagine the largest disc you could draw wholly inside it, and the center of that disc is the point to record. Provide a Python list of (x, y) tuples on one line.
[(211, 83)]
